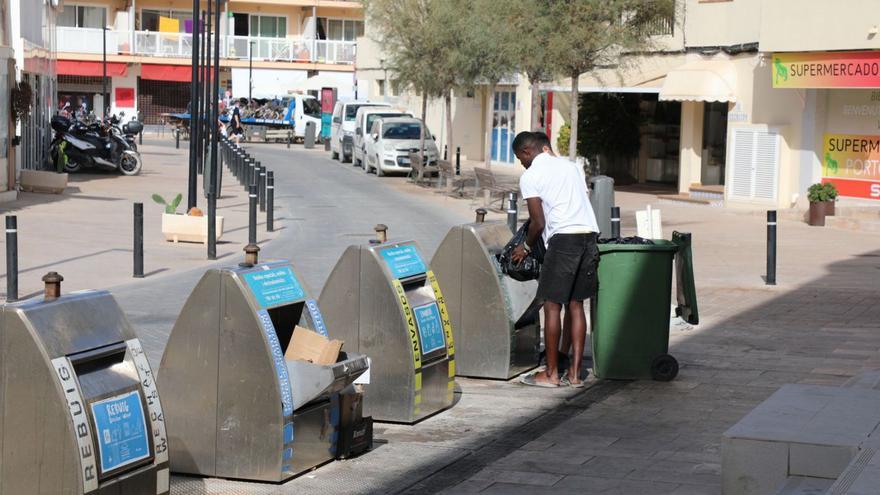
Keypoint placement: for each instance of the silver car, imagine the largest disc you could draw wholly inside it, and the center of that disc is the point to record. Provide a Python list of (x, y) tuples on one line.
[(390, 141)]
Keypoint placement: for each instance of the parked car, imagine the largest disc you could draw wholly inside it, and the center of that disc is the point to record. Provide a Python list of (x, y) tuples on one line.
[(342, 127), (363, 123), (391, 140)]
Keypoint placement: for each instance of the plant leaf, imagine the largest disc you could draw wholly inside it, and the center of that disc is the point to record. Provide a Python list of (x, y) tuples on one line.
[(176, 201), (159, 199)]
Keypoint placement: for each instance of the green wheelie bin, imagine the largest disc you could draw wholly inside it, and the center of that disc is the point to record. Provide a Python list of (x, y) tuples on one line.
[(630, 314)]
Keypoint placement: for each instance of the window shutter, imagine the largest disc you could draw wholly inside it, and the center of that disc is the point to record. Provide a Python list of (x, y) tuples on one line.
[(755, 163)]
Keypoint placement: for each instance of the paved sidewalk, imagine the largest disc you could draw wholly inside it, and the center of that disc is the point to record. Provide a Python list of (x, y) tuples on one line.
[(86, 233)]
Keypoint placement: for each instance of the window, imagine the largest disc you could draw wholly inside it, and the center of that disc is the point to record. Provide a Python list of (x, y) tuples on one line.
[(339, 29), (266, 26), (82, 16), (405, 130), (149, 19)]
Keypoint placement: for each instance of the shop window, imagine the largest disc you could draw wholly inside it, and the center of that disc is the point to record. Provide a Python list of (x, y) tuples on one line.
[(82, 16)]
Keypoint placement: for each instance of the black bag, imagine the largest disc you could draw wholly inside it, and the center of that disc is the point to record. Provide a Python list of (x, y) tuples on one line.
[(530, 267)]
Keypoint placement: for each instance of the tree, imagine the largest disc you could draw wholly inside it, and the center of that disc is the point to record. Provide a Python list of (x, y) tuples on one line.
[(595, 34), (414, 40), (487, 52), (534, 25)]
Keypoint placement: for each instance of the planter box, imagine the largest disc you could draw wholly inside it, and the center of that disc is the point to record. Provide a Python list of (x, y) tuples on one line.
[(185, 228), (41, 181)]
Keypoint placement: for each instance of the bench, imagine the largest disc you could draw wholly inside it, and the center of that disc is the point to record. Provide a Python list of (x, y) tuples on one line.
[(453, 183), (418, 170), (487, 181)]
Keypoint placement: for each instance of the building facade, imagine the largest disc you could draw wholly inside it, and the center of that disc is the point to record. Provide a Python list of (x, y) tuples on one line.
[(740, 102), (279, 43)]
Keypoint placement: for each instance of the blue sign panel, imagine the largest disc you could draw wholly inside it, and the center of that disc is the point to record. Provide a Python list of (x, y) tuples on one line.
[(121, 430), (317, 319), (278, 359), (275, 286), (430, 328), (404, 261)]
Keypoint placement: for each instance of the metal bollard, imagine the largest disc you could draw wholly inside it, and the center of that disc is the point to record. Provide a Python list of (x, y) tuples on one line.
[(138, 247), (771, 248), (262, 191), (252, 214), (258, 170), (270, 201), (481, 215), (177, 140), (141, 137), (458, 160), (512, 219), (289, 139), (445, 151), (251, 175), (615, 222), (11, 258)]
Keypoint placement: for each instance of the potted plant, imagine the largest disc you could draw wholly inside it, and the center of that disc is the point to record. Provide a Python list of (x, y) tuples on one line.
[(191, 227), (821, 197)]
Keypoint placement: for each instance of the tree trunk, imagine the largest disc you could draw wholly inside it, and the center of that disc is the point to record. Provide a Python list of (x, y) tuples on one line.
[(490, 100), (450, 142), (573, 118), (424, 127), (536, 106)]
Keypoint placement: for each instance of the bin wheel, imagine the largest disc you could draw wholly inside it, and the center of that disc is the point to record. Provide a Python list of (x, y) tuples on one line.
[(664, 368)]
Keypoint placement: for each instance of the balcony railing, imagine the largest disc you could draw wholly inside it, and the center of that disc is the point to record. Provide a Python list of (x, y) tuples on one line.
[(179, 45)]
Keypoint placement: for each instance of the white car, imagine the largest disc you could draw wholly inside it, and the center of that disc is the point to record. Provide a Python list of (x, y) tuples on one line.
[(391, 140), (363, 123), (342, 127)]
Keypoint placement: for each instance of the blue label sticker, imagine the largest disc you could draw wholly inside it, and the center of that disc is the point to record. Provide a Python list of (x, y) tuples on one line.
[(404, 261), (275, 286), (288, 433), (121, 430), (430, 328), (278, 358), (317, 319)]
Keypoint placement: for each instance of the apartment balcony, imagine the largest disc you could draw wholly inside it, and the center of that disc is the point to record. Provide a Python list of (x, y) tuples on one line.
[(179, 45)]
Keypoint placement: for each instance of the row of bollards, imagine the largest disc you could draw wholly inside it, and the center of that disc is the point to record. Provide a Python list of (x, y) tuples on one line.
[(256, 179)]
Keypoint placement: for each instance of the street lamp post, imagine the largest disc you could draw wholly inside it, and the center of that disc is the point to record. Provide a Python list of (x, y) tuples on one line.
[(250, 70), (104, 96)]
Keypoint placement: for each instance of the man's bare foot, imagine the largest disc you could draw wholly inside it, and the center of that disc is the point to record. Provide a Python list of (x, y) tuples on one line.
[(543, 377)]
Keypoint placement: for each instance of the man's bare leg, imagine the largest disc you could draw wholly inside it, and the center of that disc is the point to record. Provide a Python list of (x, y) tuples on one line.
[(552, 324), (565, 346), (578, 338)]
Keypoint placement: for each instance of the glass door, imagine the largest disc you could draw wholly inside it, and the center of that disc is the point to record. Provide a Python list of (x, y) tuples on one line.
[(503, 126)]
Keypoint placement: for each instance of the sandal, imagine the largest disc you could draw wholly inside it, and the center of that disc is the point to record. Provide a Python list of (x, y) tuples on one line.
[(566, 382), (529, 379)]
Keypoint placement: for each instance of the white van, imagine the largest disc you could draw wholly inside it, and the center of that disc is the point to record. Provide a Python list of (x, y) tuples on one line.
[(363, 123), (342, 127)]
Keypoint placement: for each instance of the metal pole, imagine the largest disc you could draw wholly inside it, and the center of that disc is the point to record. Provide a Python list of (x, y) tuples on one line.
[(262, 186), (177, 140), (771, 247), (138, 240), (512, 217), (213, 190), (104, 97), (191, 200), (11, 258), (458, 160), (445, 151), (615, 222), (203, 103), (252, 171), (252, 214), (289, 138), (250, 70), (270, 201), (256, 180)]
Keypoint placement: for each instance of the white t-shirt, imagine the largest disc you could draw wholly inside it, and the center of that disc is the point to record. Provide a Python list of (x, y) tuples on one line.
[(563, 193)]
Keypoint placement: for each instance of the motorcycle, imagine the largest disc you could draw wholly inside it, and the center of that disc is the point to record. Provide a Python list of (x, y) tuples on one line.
[(129, 130), (77, 145)]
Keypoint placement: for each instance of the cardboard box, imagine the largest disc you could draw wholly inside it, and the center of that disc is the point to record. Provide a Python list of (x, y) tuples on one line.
[(306, 345)]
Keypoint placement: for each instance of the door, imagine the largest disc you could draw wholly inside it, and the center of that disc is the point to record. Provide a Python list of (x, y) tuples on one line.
[(754, 157), (503, 126)]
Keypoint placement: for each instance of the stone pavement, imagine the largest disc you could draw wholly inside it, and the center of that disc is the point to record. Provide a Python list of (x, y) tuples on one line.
[(86, 233)]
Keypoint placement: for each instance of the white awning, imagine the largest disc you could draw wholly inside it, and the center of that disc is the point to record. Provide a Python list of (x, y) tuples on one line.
[(702, 80)]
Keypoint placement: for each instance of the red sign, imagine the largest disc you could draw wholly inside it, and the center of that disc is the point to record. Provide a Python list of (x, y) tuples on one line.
[(125, 97), (856, 188)]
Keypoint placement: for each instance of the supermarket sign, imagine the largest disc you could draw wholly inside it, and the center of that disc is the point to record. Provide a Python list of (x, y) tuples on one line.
[(826, 70), (852, 163)]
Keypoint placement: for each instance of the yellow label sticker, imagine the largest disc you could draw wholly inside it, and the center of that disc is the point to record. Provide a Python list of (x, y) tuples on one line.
[(411, 325), (418, 380), (444, 314), (452, 368)]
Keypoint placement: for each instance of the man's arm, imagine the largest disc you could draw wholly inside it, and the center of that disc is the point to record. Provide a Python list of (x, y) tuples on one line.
[(536, 224), (536, 228)]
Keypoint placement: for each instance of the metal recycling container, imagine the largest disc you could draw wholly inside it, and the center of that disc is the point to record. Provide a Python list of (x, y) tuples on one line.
[(602, 199), (383, 300), (311, 132), (81, 411), (235, 407), (496, 336), (631, 312)]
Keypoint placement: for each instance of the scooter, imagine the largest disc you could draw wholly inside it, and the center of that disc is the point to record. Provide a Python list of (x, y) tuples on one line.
[(129, 130), (77, 145)]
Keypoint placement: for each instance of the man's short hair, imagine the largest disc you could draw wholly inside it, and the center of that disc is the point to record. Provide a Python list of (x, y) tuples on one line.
[(542, 139), (524, 140)]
